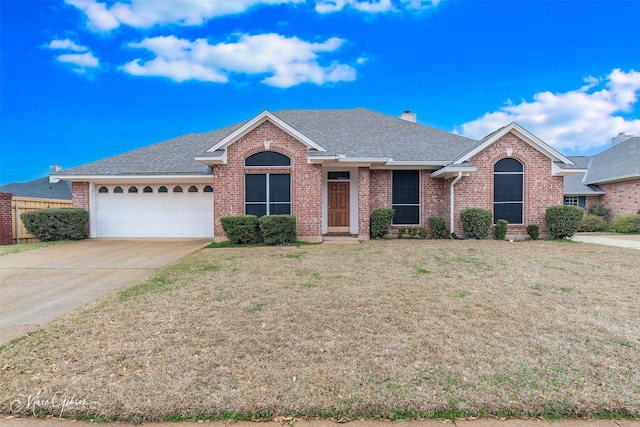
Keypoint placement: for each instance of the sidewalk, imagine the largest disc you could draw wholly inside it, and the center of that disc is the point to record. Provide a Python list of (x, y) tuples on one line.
[(625, 241), (288, 422)]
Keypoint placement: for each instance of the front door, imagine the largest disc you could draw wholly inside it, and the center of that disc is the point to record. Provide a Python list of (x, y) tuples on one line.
[(338, 209)]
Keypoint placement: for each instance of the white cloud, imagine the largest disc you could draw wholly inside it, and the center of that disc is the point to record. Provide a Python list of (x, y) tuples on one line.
[(106, 16), (286, 61), (82, 61), (578, 121), (145, 13), (66, 44)]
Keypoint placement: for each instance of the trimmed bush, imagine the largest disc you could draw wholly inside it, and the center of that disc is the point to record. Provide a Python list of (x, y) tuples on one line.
[(438, 227), (476, 222), (593, 223), (401, 232), (627, 224), (50, 225), (500, 230), (278, 229), (533, 230), (563, 221), (241, 229), (381, 222), (600, 209), (422, 232)]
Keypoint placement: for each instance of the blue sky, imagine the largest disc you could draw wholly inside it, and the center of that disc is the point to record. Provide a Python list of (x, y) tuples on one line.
[(86, 79)]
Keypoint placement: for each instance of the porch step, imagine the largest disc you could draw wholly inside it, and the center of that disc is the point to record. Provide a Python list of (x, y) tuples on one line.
[(340, 238)]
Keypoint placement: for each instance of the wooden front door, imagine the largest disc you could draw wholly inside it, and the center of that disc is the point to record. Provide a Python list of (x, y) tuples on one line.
[(338, 209)]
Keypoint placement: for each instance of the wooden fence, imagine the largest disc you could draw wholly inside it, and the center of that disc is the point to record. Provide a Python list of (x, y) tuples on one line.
[(20, 205)]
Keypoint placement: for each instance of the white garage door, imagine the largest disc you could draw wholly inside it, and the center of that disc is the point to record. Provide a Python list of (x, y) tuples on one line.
[(154, 210)]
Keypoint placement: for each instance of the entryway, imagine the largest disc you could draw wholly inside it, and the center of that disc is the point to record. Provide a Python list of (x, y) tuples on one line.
[(338, 207)]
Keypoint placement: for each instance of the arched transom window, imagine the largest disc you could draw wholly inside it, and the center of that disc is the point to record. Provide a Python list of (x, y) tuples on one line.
[(508, 191)]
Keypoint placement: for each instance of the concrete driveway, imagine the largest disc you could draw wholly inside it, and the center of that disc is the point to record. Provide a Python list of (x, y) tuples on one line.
[(39, 285)]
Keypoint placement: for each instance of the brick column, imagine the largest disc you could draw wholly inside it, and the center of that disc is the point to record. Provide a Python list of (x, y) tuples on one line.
[(6, 219), (364, 203)]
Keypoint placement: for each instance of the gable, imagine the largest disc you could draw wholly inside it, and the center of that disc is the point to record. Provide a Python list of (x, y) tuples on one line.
[(257, 121), (522, 134)]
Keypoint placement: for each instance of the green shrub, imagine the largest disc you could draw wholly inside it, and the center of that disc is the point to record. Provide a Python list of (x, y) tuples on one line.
[(600, 209), (241, 229), (627, 223), (438, 227), (278, 229), (476, 222), (533, 230), (500, 230), (563, 221), (401, 232), (593, 223), (50, 225), (381, 222), (422, 232)]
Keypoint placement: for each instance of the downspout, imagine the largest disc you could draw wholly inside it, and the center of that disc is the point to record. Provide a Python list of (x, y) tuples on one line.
[(451, 198)]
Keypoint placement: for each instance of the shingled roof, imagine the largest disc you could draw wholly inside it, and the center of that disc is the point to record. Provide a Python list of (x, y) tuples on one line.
[(40, 188), (356, 133), (618, 163)]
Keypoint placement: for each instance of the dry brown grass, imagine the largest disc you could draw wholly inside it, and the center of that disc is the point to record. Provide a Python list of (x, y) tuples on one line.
[(379, 328)]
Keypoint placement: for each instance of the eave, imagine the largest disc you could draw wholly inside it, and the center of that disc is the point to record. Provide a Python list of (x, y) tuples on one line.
[(453, 171), (138, 179)]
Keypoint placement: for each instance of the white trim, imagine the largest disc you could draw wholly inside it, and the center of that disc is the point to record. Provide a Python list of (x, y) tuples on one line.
[(452, 203), (93, 225), (210, 160), (138, 179), (255, 122), (452, 171), (523, 134), (558, 171), (439, 163), (353, 197)]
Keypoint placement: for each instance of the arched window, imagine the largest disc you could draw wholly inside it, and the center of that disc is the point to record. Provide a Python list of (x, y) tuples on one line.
[(133, 189), (193, 189), (177, 189), (508, 191), (118, 189), (147, 189), (208, 189), (162, 189), (267, 158), (103, 189)]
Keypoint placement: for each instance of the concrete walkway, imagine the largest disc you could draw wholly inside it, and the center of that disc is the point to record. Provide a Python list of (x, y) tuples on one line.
[(623, 241), (39, 285)]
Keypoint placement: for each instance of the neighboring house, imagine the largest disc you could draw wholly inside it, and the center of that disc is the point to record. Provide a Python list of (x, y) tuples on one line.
[(40, 188), (612, 176), (328, 168)]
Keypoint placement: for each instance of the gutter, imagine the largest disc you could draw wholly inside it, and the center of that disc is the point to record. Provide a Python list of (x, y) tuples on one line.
[(451, 198)]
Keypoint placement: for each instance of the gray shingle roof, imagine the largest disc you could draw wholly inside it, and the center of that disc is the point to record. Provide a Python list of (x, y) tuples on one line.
[(368, 134), (573, 185), (171, 157), (40, 188), (620, 162), (358, 133)]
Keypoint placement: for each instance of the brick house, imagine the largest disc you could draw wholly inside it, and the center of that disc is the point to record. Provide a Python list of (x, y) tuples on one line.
[(612, 176), (328, 168)]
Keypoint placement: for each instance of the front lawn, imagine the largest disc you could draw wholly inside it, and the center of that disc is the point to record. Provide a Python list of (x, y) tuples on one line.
[(382, 329)]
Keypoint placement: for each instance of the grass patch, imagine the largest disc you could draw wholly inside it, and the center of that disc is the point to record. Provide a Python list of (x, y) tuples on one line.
[(24, 247), (351, 331), (230, 244)]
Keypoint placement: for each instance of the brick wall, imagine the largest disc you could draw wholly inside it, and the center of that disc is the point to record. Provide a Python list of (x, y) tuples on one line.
[(306, 179), (622, 197), (433, 194), (80, 195), (540, 188), (364, 202), (6, 219)]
